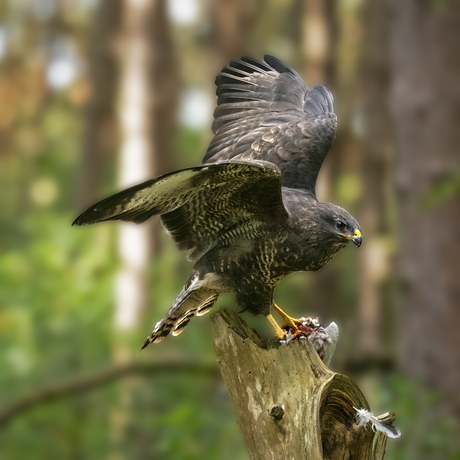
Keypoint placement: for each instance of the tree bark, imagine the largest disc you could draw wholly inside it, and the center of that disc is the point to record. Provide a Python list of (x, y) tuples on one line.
[(289, 405)]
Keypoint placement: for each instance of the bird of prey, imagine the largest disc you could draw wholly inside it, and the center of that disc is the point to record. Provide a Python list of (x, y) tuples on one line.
[(248, 216)]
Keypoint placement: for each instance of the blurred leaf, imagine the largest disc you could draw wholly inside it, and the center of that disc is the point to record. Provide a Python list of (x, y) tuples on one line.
[(441, 192)]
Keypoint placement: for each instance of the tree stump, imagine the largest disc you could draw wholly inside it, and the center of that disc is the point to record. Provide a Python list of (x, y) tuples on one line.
[(288, 404)]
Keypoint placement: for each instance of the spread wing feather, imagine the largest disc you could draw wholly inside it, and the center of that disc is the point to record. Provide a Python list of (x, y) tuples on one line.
[(266, 112), (200, 206)]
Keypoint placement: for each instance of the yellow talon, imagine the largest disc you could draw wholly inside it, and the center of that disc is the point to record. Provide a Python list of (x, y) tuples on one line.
[(291, 322), (278, 331)]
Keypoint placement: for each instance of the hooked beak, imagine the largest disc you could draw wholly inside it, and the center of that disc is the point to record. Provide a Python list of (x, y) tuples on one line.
[(357, 238)]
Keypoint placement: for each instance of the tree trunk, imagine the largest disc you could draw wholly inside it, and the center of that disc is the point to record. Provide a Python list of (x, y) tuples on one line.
[(375, 172), (317, 45), (148, 99), (289, 405), (99, 133), (232, 22), (147, 109), (135, 160), (425, 102), (317, 41)]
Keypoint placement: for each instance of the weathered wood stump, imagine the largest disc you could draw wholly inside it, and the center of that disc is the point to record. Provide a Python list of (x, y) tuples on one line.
[(288, 404)]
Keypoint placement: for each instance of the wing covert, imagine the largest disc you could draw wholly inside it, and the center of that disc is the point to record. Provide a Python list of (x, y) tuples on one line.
[(201, 206)]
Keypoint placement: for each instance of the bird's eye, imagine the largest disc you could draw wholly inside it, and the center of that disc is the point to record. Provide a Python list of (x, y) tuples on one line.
[(341, 227)]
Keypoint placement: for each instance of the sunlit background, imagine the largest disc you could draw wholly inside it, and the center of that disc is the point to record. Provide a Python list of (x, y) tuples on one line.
[(97, 95)]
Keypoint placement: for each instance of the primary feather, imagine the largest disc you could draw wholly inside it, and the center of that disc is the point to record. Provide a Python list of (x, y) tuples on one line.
[(266, 112)]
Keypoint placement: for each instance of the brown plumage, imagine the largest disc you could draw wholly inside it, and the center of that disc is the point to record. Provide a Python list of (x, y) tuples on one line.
[(249, 217)]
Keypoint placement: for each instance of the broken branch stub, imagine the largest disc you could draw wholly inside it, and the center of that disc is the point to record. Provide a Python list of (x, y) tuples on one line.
[(288, 404)]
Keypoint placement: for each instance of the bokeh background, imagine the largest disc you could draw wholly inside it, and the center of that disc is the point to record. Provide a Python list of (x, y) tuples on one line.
[(96, 95)]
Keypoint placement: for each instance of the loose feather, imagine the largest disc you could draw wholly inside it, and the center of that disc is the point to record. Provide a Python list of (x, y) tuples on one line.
[(364, 417)]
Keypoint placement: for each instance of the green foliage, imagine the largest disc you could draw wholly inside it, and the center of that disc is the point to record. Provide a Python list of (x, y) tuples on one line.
[(56, 315), (56, 281), (441, 192), (427, 432)]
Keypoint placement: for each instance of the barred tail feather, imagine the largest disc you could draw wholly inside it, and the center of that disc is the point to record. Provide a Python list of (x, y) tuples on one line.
[(206, 306), (200, 310), (180, 324), (191, 300)]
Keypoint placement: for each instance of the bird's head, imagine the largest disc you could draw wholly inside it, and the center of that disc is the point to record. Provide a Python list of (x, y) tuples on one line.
[(343, 227)]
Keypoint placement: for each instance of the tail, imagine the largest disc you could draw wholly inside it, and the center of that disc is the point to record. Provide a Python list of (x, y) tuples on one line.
[(192, 299)]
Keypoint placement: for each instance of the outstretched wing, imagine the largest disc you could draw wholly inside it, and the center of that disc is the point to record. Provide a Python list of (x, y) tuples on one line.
[(266, 112), (201, 206)]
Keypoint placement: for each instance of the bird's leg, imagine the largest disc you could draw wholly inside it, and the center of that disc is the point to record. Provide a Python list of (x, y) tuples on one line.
[(278, 331), (291, 322)]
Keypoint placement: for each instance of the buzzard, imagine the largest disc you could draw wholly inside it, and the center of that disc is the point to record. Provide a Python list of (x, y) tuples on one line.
[(248, 216)]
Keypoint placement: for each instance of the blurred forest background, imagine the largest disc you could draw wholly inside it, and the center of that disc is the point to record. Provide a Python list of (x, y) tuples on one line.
[(96, 95)]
